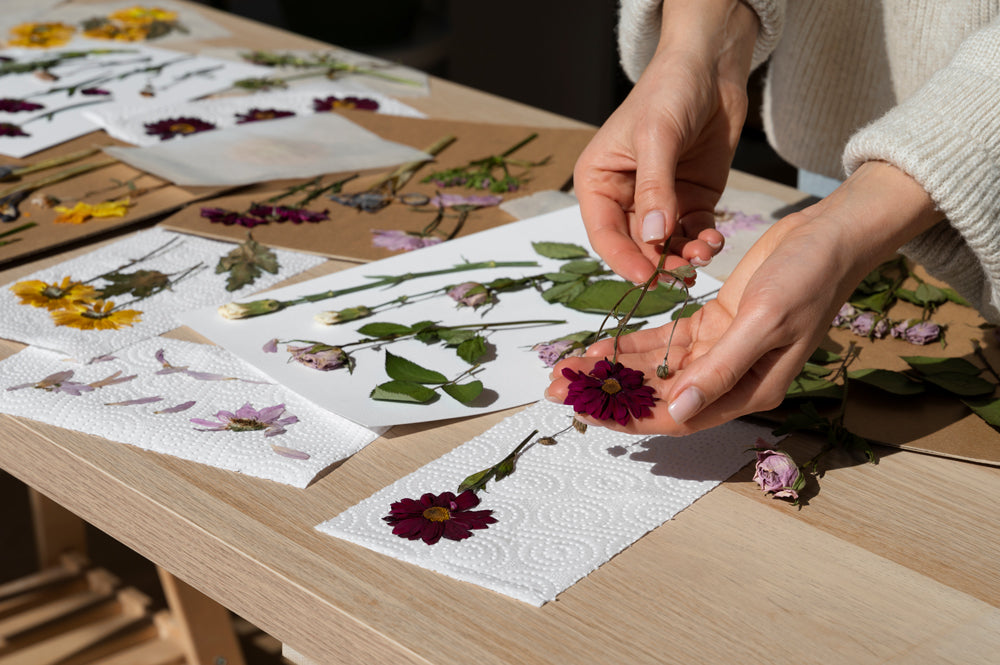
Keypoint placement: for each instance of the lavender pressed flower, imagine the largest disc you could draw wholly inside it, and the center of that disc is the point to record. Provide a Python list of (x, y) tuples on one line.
[(57, 383), (476, 201), (552, 352), (923, 332), (845, 315), (863, 324), (320, 356), (471, 294), (610, 391), (248, 419), (401, 240), (432, 517)]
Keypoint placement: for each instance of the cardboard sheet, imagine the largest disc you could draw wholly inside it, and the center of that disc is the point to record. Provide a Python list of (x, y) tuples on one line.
[(347, 234)]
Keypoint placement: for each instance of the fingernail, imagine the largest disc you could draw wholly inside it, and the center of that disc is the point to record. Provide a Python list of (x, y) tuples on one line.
[(714, 245), (654, 226), (551, 398), (699, 262), (686, 405)]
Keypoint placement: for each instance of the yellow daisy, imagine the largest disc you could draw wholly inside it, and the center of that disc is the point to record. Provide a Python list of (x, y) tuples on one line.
[(119, 32), (96, 315), (81, 212), (54, 296), (40, 35), (143, 15)]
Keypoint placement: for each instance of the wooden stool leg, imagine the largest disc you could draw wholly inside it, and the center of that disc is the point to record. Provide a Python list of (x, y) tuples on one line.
[(57, 530), (205, 630)]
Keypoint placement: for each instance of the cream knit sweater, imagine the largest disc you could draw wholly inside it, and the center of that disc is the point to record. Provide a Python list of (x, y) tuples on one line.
[(915, 83)]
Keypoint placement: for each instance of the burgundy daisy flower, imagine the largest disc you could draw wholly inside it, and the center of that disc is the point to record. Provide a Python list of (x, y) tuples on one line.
[(331, 103), (431, 517), (231, 217), (90, 92), (11, 105), (8, 129), (610, 391), (171, 127), (299, 215), (253, 115)]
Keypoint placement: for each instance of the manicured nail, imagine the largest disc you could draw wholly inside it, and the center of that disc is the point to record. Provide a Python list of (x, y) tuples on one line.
[(552, 398), (699, 262), (654, 226), (687, 404), (714, 245)]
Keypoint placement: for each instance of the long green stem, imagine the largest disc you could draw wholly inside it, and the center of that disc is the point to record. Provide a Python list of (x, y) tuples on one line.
[(56, 177)]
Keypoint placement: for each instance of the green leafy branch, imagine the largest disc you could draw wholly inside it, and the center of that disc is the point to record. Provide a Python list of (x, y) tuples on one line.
[(417, 384)]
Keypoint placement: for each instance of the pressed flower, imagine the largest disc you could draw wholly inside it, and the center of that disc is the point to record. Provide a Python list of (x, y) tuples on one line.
[(143, 15), (610, 391), (923, 332), (57, 295), (183, 406), (231, 217), (331, 103), (91, 92), (401, 240), (119, 32), (182, 126), (432, 517), (137, 401), (364, 201), (729, 222), (320, 356), (863, 324), (57, 383), (470, 294), (777, 473), (12, 130), (552, 352), (253, 115), (96, 315), (248, 419), (299, 215), (81, 212), (334, 317), (40, 35), (235, 310), (474, 201), (11, 105)]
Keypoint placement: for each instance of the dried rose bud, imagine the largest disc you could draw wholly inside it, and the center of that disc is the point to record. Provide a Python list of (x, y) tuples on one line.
[(845, 315), (863, 324), (320, 356), (235, 310), (777, 473), (470, 294), (923, 332), (334, 317)]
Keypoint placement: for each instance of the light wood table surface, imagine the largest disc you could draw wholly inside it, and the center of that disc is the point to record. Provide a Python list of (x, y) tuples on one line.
[(895, 563)]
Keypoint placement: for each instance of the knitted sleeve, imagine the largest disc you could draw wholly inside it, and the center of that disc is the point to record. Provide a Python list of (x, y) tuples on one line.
[(639, 31), (946, 136)]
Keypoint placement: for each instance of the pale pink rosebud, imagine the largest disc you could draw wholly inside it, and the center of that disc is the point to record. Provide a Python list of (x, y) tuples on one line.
[(777, 473), (470, 294)]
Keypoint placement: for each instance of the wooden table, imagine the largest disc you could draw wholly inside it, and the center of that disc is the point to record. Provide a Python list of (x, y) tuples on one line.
[(894, 563)]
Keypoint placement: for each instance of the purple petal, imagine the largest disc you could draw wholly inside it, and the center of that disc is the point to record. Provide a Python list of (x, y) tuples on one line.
[(208, 423), (138, 400), (160, 358), (271, 346), (245, 412), (289, 452), (183, 406), (207, 376), (270, 413), (23, 385)]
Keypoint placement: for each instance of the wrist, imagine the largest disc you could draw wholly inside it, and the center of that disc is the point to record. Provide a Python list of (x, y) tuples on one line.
[(723, 31)]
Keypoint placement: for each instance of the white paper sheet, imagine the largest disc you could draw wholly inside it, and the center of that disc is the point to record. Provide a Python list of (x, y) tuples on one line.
[(296, 147), (567, 509), (182, 77), (318, 438), (130, 123), (513, 375), (34, 325)]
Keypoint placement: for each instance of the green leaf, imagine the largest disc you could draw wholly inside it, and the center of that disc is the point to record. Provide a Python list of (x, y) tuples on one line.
[(813, 387), (401, 369), (685, 311), (476, 481), (930, 294), (964, 385), (814, 370), (455, 337), (560, 250), (504, 468), (402, 391), (952, 295), (471, 350), (807, 418), (384, 329), (141, 283), (909, 296), (876, 302), (587, 267), (600, 296), (987, 409), (564, 293), (464, 392), (896, 383), (561, 277), (823, 357), (927, 365), (246, 263)]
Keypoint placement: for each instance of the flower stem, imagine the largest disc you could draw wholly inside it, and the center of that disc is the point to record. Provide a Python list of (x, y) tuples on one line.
[(56, 177), (23, 227)]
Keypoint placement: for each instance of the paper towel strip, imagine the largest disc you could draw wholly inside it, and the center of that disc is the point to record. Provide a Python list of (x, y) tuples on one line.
[(566, 510)]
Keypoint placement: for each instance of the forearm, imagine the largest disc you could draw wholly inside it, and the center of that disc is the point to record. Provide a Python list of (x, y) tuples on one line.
[(722, 30)]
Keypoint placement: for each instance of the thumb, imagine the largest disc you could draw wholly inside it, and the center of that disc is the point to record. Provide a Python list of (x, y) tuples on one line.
[(655, 196)]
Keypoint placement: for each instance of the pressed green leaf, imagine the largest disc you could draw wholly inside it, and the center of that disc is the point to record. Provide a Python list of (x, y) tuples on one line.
[(812, 369), (476, 481), (952, 295), (600, 296), (685, 311), (964, 385), (927, 365), (563, 293), (401, 369), (682, 273), (402, 391), (823, 357), (887, 380), (246, 262), (583, 267), (141, 283), (384, 329), (504, 468), (471, 350), (930, 294), (909, 296), (876, 302), (560, 277), (985, 408), (813, 387), (455, 337), (560, 250), (464, 392)]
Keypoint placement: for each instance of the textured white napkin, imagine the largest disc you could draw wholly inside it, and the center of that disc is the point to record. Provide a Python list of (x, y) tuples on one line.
[(34, 325), (128, 123), (295, 147), (566, 510), (109, 411)]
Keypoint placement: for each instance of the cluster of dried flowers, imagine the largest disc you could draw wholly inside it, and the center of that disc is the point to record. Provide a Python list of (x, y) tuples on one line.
[(132, 24)]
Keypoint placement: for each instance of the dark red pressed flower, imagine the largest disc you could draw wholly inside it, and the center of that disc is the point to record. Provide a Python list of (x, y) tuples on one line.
[(8, 129), (253, 115), (231, 217), (90, 92), (331, 103), (299, 215), (431, 517), (171, 127), (610, 391), (11, 105)]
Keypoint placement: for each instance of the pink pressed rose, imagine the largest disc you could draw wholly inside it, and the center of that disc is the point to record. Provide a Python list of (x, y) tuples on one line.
[(777, 473)]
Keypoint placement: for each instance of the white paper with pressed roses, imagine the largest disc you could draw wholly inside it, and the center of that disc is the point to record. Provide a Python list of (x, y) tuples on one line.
[(566, 510), (513, 375), (322, 436)]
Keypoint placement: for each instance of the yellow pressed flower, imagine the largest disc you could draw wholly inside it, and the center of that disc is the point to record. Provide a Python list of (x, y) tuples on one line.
[(118, 32), (81, 212), (40, 35), (96, 315), (53, 296), (143, 15)]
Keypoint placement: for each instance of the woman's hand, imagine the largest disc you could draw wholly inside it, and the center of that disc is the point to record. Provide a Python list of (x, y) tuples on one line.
[(654, 172), (740, 352)]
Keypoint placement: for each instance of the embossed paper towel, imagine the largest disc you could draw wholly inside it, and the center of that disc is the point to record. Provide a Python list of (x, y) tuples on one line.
[(566, 510), (189, 261), (147, 395)]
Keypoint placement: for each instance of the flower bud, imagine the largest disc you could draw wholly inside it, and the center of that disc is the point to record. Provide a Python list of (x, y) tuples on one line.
[(776, 472), (334, 317), (470, 294), (923, 332), (320, 356), (235, 310)]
